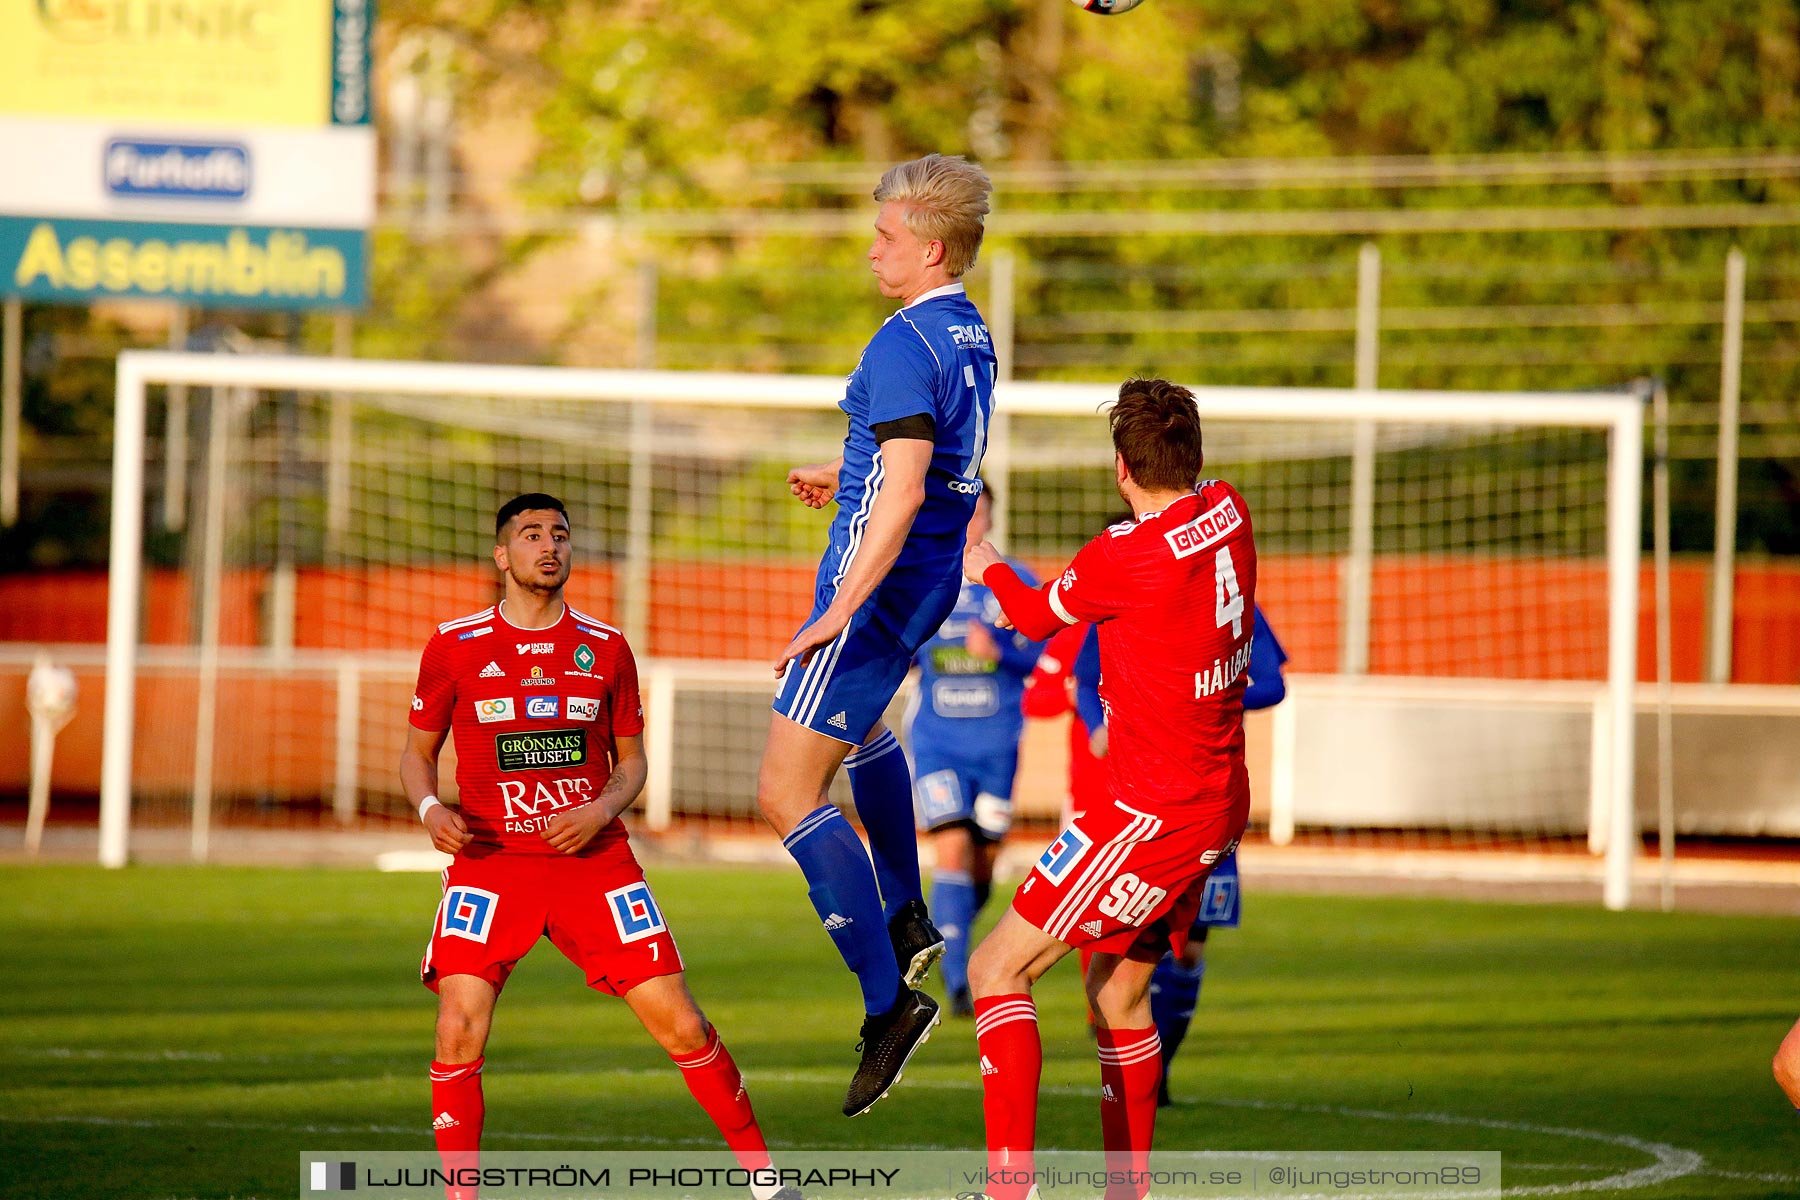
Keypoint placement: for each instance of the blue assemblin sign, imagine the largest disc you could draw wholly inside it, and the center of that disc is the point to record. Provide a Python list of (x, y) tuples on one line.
[(227, 266)]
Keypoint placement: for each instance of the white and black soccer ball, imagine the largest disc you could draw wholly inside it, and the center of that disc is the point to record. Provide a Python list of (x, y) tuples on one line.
[(1107, 8)]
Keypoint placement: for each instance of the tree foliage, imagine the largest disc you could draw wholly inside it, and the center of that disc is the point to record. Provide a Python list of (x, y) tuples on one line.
[(633, 98)]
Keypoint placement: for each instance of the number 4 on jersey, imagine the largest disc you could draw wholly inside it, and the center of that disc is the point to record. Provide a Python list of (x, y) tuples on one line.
[(1228, 599)]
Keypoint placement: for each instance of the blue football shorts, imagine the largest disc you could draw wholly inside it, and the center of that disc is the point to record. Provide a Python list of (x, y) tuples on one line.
[(1222, 902), (843, 692), (957, 790)]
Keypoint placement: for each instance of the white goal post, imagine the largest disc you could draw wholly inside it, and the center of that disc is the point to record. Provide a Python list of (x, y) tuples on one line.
[(1615, 419)]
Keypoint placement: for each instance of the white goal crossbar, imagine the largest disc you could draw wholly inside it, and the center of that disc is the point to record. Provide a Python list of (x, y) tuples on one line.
[(1619, 415)]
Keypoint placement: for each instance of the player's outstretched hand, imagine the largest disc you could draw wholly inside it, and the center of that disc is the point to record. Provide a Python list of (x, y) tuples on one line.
[(569, 831), (978, 558), (815, 484), (449, 832), (1097, 741), (808, 640)]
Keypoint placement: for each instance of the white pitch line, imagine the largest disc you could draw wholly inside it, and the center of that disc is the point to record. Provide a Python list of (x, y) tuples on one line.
[(131, 1055), (1753, 1176), (1671, 1162), (408, 1130)]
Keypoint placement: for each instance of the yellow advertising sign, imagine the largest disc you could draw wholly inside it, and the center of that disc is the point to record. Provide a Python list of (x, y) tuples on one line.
[(216, 62)]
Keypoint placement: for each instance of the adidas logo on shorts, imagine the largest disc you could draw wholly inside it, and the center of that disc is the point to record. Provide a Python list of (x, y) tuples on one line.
[(838, 722), (445, 1121), (491, 671), (1091, 928), (838, 921), (988, 1068), (1107, 1093)]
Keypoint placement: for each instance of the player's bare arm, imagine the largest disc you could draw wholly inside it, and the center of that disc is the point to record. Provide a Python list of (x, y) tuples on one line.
[(569, 832), (816, 484), (419, 776), (890, 520)]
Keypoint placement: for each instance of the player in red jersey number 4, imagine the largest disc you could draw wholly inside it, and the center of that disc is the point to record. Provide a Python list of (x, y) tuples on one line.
[(543, 703), (1172, 594)]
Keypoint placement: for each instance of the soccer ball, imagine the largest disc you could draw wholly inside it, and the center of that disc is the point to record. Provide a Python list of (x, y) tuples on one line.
[(1107, 8)]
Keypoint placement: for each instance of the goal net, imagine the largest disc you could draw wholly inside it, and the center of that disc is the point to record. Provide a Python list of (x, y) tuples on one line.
[(1452, 575)]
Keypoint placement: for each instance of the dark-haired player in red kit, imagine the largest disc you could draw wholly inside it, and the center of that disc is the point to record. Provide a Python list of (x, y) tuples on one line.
[(543, 703), (1172, 593)]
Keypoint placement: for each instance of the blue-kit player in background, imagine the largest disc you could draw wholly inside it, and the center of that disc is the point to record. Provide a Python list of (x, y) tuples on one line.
[(963, 731), (1175, 986), (919, 405)]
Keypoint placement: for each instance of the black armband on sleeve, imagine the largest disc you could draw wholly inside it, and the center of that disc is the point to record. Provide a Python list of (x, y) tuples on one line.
[(919, 426)]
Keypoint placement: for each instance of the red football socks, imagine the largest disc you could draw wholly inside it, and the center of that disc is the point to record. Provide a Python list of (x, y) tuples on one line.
[(1012, 1059), (718, 1086), (1130, 1068), (457, 1112)]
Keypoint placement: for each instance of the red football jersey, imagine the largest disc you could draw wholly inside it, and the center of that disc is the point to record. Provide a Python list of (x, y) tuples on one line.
[(534, 714), (1049, 693), (1173, 594)]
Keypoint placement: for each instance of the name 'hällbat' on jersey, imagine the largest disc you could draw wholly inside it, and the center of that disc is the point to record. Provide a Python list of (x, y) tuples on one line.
[(1224, 673)]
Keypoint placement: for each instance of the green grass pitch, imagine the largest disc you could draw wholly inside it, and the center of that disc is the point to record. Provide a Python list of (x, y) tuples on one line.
[(173, 1033)]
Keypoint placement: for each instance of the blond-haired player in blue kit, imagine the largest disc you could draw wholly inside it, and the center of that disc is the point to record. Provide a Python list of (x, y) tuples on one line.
[(919, 404)]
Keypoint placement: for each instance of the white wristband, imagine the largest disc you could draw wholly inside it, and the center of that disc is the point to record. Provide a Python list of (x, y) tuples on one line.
[(426, 804)]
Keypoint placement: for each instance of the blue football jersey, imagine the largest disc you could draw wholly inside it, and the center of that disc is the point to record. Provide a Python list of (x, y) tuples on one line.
[(933, 358), (969, 707)]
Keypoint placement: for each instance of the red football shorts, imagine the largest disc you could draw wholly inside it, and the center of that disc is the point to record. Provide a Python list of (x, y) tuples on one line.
[(1119, 876), (597, 910)]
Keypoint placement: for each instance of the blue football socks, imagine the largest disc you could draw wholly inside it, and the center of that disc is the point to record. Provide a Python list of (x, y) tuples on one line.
[(881, 785), (953, 912), (1174, 991), (843, 892)]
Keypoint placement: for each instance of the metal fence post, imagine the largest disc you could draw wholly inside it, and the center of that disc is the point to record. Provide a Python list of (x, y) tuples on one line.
[(1665, 716), (11, 408), (1002, 310), (1718, 642), (634, 574), (1359, 567), (175, 433)]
